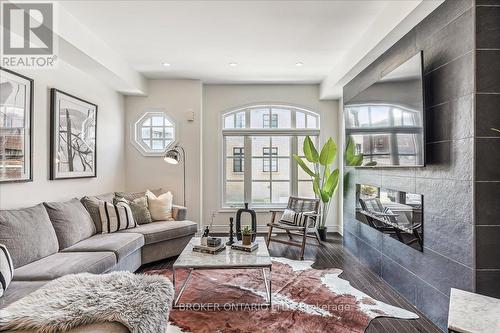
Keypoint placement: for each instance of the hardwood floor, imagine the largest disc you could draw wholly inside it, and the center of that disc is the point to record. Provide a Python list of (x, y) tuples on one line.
[(332, 254)]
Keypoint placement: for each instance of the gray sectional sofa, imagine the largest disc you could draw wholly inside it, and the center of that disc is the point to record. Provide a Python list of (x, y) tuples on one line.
[(54, 239)]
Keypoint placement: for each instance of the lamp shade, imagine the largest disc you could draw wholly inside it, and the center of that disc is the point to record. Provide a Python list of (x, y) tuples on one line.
[(172, 156)]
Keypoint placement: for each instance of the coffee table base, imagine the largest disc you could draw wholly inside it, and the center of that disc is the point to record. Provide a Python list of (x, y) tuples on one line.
[(217, 306)]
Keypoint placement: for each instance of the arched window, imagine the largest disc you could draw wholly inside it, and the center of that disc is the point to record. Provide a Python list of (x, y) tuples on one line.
[(154, 132), (259, 142)]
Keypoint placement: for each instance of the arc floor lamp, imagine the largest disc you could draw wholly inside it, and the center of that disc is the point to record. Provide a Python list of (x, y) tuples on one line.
[(174, 156)]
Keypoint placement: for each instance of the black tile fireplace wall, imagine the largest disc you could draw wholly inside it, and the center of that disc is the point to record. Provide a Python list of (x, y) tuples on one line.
[(447, 38), (487, 145)]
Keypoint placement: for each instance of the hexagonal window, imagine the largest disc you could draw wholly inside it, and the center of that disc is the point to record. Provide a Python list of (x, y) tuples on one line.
[(154, 133)]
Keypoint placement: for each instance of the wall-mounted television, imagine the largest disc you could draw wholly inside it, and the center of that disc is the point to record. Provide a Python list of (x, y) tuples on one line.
[(386, 120)]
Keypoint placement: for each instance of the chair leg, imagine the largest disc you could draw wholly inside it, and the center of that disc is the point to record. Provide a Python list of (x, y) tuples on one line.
[(268, 240), (303, 247), (316, 233), (289, 235)]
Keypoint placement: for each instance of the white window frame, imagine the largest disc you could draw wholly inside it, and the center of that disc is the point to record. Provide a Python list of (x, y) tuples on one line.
[(272, 164), (137, 140), (240, 157), (247, 133)]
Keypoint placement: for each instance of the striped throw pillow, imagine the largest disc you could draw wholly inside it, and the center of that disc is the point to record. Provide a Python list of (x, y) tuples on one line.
[(293, 218), (6, 269), (115, 217)]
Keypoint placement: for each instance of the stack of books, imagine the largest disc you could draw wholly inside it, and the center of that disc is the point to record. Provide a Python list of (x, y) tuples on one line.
[(247, 248), (212, 247)]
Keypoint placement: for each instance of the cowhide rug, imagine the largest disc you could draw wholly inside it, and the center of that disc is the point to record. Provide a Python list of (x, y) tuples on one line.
[(304, 300)]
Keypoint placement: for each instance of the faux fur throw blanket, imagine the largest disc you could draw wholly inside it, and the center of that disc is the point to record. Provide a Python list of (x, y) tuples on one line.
[(139, 302)]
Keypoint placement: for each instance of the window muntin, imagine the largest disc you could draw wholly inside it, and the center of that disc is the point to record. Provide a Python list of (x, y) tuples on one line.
[(235, 120), (266, 138), (270, 121), (238, 155), (154, 133), (269, 162)]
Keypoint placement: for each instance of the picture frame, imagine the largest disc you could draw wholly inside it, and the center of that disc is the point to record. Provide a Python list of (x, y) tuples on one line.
[(73, 120), (16, 127)]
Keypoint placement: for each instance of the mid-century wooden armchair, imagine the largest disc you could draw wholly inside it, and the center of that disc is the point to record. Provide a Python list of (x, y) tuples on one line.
[(302, 216)]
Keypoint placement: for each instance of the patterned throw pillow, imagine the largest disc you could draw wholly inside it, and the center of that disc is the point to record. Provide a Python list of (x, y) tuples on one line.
[(131, 196), (293, 218), (115, 217), (6, 269), (387, 210), (139, 209)]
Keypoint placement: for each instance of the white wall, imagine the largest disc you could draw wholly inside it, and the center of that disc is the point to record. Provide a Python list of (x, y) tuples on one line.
[(110, 144), (177, 98), (220, 98), (122, 167)]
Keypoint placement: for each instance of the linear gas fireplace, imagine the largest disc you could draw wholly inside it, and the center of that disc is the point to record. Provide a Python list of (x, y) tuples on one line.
[(397, 214)]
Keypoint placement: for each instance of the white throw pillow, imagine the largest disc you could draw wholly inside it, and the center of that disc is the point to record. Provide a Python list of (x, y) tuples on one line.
[(160, 207)]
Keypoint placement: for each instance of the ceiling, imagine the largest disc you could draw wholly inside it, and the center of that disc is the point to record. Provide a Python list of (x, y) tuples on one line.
[(265, 38)]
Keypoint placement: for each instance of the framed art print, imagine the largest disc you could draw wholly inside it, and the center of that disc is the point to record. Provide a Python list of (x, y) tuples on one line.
[(16, 131), (73, 133)]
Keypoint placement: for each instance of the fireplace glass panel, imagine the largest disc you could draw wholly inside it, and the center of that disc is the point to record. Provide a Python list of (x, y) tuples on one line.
[(398, 214)]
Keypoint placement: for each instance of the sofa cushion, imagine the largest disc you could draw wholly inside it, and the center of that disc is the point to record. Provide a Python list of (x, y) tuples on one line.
[(63, 263), (164, 230), (28, 234), (121, 244), (108, 197), (19, 289), (71, 221), (131, 196), (139, 209), (92, 206)]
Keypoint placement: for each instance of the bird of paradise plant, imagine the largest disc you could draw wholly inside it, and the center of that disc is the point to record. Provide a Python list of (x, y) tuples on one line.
[(325, 180)]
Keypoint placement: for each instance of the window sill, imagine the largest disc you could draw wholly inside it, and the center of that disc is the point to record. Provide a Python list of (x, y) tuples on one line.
[(256, 209)]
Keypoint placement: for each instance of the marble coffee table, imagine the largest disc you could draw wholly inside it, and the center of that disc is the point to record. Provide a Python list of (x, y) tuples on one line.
[(227, 259), (473, 313)]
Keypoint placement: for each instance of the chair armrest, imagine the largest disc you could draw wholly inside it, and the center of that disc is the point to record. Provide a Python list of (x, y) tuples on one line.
[(313, 216), (179, 213)]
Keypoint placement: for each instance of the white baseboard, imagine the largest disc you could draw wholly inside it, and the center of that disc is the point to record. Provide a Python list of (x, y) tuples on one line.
[(222, 228)]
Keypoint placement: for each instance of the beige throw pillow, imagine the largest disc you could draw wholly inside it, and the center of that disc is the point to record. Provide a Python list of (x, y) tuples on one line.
[(160, 207)]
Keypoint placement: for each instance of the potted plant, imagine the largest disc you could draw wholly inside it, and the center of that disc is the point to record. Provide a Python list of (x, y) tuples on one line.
[(247, 235), (325, 181)]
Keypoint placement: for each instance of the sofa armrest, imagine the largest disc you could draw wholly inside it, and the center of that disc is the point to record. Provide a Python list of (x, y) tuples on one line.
[(179, 213)]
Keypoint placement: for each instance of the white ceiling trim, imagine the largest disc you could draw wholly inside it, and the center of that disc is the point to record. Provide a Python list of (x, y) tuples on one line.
[(77, 46), (82, 48)]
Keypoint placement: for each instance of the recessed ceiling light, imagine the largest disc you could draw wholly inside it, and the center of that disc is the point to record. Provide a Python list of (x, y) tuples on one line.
[(166, 64), (233, 64), (299, 64)]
